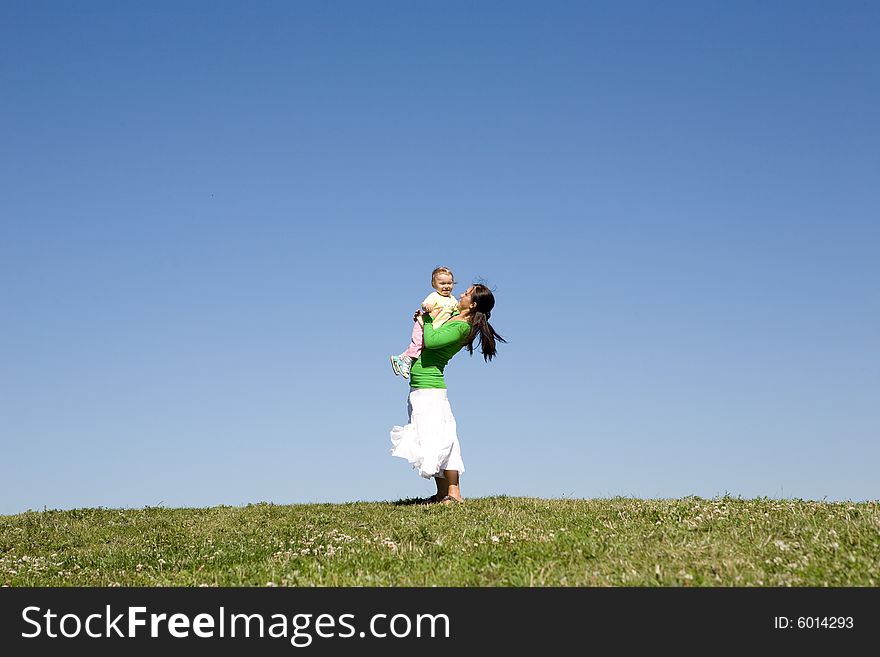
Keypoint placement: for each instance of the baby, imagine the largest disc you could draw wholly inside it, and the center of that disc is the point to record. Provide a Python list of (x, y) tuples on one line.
[(440, 304)]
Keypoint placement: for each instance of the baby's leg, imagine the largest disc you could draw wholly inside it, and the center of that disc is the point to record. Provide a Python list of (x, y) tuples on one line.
[(416, 341)]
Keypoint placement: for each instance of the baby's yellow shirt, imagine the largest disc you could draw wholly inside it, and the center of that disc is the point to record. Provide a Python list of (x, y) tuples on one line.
[(447, 306)]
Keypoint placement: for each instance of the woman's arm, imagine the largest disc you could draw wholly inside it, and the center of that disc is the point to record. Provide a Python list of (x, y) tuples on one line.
[(449, 333)]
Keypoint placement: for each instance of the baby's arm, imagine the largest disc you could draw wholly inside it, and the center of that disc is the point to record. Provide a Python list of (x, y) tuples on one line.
[(429, 305)]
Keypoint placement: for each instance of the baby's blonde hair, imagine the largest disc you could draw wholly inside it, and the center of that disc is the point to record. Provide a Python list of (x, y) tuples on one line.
[(441, 270)]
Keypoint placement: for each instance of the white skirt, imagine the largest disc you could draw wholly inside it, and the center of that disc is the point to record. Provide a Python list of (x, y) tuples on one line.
[(429, 442)]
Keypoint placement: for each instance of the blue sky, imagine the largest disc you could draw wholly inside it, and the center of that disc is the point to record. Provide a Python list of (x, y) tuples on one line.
[(216, 220)]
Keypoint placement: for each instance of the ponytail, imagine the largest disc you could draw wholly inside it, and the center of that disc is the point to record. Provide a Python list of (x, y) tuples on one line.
[(480, 327)]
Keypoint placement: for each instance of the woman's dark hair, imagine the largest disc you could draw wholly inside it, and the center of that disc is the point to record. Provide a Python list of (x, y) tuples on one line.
[(483, 301)]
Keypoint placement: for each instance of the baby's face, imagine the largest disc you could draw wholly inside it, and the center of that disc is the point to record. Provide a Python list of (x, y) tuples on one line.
[(443, 283)]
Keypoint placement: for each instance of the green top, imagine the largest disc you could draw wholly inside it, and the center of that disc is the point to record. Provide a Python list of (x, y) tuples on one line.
[(440, 345)]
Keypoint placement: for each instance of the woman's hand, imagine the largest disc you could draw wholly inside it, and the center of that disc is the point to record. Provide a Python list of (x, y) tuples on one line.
[(417, 317)]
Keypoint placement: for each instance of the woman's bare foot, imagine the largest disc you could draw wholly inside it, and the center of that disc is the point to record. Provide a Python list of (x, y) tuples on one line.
[(448, 491)]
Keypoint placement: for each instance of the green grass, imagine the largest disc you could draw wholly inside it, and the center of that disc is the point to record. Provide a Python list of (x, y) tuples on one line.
[(496, 541)]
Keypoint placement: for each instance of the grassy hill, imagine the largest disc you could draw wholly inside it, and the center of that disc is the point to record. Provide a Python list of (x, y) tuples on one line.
[(495, 541)]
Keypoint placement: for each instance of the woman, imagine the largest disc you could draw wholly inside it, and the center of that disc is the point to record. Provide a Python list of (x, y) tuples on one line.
[(429, 441)]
